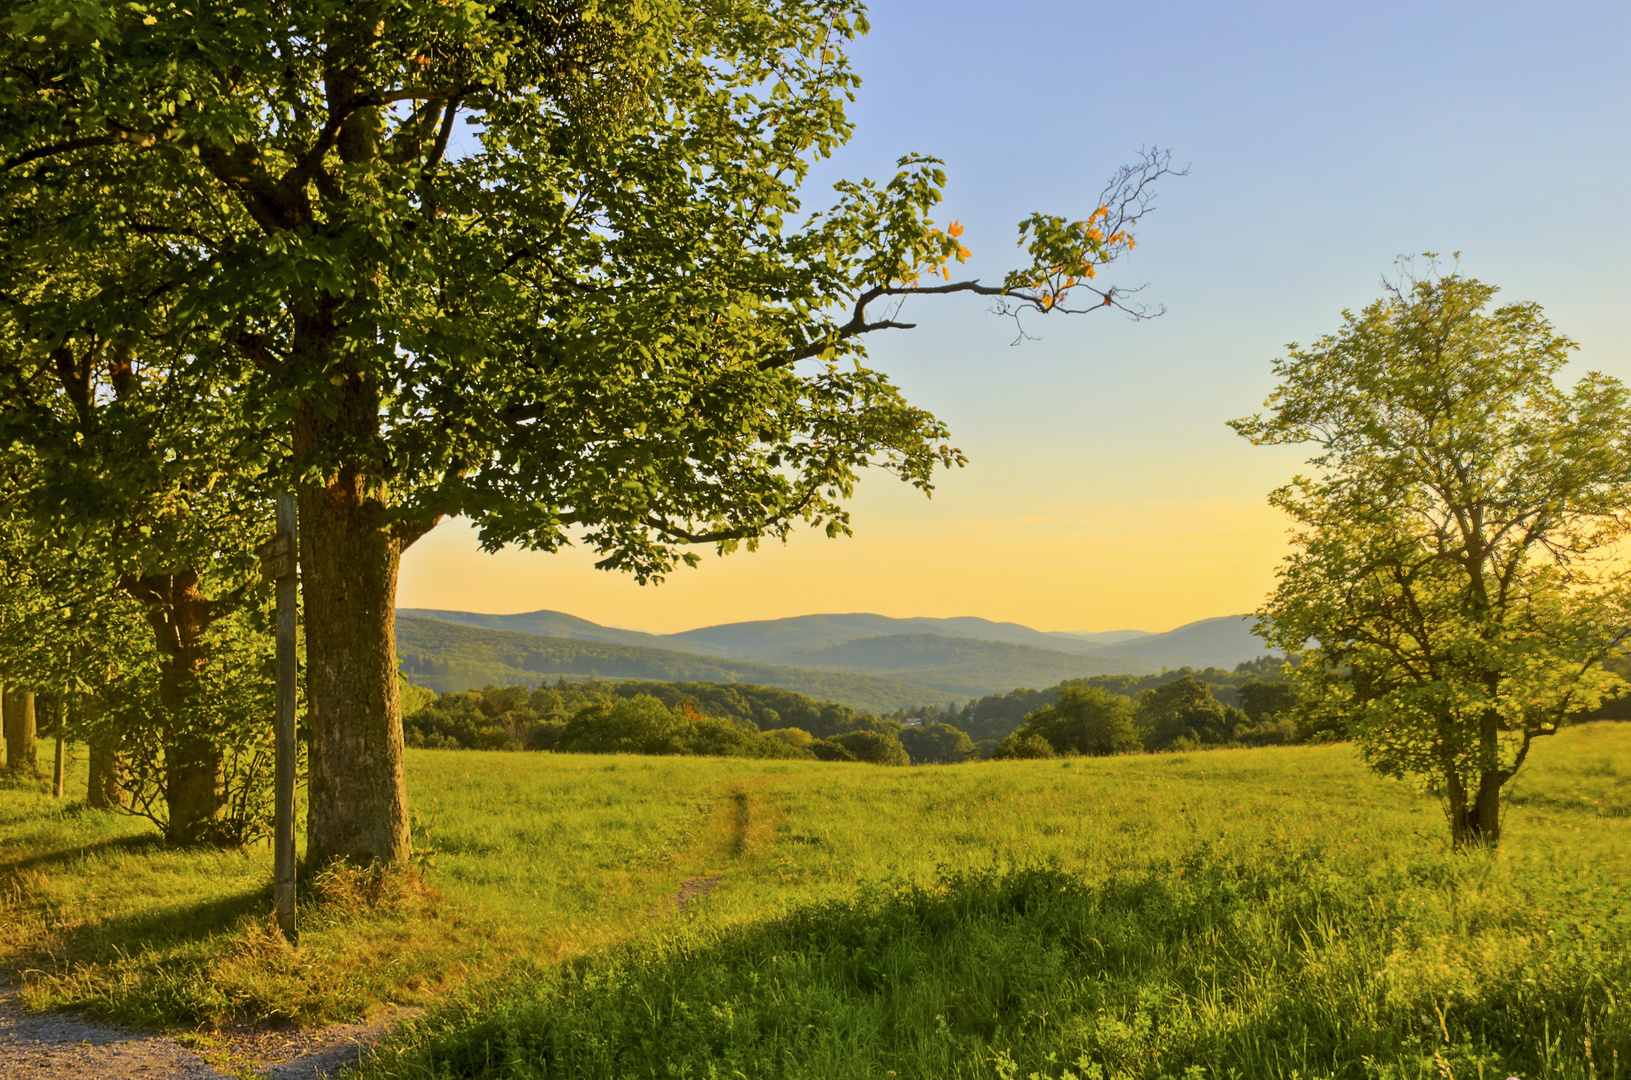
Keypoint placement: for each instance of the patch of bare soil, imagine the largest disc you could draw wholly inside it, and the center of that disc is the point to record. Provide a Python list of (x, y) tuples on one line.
[(693, 889), (61, 1046)]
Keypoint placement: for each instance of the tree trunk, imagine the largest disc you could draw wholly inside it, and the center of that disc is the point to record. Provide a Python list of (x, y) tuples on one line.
[(22, 756), (194, 790), (1477, 820), (1475, 817), (106, 787), (349, 555), (194, 768)]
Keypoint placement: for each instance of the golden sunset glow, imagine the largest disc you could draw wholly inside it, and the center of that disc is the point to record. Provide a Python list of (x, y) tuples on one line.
[(1147, 567)]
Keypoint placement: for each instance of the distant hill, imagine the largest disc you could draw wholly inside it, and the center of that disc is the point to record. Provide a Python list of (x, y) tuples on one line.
[(965, 666), (449, 657), (901, 662), (1222, 642), (552, 624), (778, 638), (1102, 637)]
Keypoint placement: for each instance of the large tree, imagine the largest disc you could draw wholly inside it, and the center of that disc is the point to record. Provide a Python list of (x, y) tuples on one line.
[(607, 318), (1452, 582)]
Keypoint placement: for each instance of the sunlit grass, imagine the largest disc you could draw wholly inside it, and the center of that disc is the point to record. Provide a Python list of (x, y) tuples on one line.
[(1294, 893)]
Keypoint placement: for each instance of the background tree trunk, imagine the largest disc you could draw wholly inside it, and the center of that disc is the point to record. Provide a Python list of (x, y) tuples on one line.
[(106, 787), (21, 751), (349, 556), (194, 768)]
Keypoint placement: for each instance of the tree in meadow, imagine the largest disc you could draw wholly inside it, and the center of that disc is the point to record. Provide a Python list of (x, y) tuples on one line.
[(1183, 714), (1453, 589), (1085, 720)]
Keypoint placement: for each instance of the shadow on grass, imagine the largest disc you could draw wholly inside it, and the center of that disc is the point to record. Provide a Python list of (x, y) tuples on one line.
[(1270, 965), (144, 844)]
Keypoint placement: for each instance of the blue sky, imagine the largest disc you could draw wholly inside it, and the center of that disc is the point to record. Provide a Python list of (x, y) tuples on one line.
[(1105, 491)]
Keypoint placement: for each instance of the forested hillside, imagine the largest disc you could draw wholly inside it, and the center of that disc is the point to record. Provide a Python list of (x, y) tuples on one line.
[(447, 657), (452, 651)]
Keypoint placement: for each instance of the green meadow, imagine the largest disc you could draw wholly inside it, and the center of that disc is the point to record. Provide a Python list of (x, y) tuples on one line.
[(1278, 912)]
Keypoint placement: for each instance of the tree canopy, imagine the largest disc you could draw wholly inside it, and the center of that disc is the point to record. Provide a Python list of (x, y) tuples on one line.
[(603, 317)]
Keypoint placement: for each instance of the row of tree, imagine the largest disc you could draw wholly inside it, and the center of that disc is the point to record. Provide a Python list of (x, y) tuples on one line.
[(542, 265), (685, 718)]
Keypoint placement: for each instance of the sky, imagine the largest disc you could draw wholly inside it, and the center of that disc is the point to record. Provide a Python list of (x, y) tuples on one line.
[(1104, 490)]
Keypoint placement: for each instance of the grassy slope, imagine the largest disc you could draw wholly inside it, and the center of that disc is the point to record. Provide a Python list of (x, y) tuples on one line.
[(1247, 884), (448, 657)]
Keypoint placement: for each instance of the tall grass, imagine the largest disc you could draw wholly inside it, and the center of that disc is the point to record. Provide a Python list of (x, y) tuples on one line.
[(1272, 912)]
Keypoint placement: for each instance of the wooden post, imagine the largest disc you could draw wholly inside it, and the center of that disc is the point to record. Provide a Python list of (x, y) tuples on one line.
[(282, 569), (62, 736)]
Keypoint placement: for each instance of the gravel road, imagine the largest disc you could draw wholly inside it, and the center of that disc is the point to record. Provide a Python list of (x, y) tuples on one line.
[(62, 1046)]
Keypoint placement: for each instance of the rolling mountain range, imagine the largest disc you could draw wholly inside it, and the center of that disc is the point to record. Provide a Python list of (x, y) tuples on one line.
[(870, 662)]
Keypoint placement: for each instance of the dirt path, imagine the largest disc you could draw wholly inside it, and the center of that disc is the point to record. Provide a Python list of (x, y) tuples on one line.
[(62, 1046)]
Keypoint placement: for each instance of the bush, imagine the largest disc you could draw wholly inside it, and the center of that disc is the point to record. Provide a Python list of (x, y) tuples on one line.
[(1277, 731), (828, 750), (938, 744), (454, 721), (792, 736), (874, 747), (1022, 744)]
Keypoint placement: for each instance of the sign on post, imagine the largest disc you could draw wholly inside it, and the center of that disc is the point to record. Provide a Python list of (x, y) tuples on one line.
[(278, 564)]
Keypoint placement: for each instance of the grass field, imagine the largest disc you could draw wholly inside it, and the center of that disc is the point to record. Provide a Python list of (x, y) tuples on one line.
[(1275, 912)]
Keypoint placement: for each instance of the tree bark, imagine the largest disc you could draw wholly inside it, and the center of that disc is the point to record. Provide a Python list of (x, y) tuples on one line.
[(194, 767), (106, 788), (1475, 816), (349, 556), (22, 755)]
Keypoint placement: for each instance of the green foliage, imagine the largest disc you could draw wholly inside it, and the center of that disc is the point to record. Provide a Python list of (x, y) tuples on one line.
[(1454, 566), (515, 717), (873, 747), (1083, 720), (829, 750), (996, 715), (1028, 970), (1021, 745), (938, 744), (1262, 701), (1185, 709), (627, 230)]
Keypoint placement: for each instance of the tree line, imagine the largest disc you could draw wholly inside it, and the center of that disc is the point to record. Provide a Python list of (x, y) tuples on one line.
[(1175, 712)]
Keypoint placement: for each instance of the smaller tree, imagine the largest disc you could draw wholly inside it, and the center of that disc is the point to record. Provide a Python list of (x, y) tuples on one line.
[(874, 747), (937, 744), (1452, 585), (1183, 714), (1085, 720)]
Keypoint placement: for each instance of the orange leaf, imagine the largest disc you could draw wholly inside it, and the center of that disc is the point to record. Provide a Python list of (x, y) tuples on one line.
[(955, 228)]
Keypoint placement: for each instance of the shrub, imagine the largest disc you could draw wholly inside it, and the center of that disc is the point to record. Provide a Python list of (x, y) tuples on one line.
[(939, 744), (792, 736), (874, 747), (827, 750), (1022, 744)]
